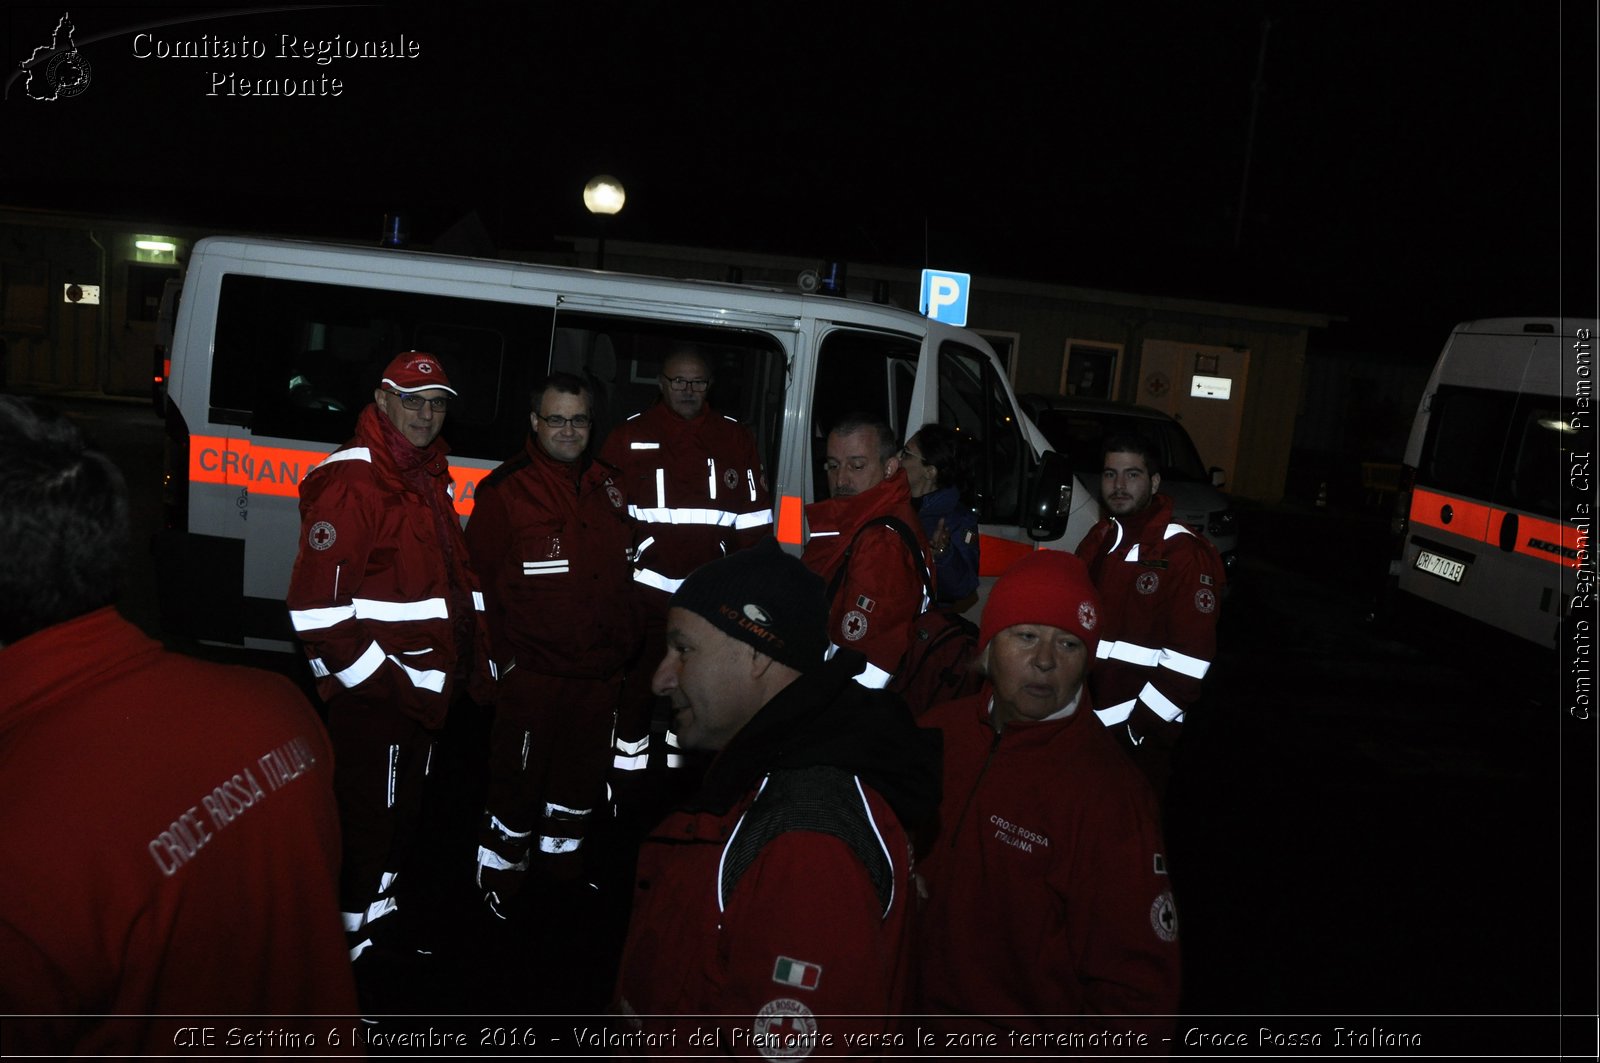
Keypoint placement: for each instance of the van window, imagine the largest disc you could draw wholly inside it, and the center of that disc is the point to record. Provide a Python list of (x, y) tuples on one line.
[(1497, 446), (300, 359), (860, 372), (973, 402), (622, 358), (1079, 434)]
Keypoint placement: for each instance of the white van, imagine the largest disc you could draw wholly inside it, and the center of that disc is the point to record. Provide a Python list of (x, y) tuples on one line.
[(279, 344), (1491, 484)]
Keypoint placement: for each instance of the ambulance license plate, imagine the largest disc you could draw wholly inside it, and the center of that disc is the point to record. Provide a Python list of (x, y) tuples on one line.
[(1442, 567)]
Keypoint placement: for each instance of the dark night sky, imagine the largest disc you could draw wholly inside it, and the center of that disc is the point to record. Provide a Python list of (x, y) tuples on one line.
[(1405, 169)]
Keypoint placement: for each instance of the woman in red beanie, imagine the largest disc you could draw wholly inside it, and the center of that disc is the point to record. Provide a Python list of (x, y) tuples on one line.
[(1048, 908)]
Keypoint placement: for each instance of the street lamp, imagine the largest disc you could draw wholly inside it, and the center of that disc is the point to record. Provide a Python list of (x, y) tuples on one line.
[(603, 196)]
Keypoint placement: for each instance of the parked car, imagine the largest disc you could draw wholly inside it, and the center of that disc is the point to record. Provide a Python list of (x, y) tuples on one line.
[(1076, 427)]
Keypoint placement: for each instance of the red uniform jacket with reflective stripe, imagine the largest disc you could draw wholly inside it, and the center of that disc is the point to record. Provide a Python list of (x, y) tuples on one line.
[(1047, 892), (696, 487), (380, 585), (550, 541), (1161, 600), (171, 847), (876, 607)]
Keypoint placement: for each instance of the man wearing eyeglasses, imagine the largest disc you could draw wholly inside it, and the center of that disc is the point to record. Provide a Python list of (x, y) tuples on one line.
[(550, 535), (387, 608), (695, 483), (878, 595)]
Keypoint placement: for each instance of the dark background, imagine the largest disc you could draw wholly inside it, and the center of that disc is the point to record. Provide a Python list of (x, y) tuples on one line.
[(1408, 165)]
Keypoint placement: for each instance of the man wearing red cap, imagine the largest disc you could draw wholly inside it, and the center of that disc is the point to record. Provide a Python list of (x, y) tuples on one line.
[(1047, 893), (385, 602)]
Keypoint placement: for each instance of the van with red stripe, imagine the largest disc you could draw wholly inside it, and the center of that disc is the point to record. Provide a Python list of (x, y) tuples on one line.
[(1497, 510), (278, 345)]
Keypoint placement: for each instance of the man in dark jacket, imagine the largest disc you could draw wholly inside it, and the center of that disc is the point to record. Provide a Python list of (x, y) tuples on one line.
[(777, 899), (550, 536)]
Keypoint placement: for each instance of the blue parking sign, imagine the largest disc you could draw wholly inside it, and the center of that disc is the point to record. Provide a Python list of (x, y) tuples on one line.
[(944, 296)]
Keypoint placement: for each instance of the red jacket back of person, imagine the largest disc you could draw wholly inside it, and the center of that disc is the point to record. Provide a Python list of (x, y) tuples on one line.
[(382, 592), (875, 610), (1047, 885), (550, 541), (696, 487), (169, 847)]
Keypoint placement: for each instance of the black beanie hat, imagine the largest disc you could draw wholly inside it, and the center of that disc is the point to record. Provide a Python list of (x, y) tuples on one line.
[(763, 597)]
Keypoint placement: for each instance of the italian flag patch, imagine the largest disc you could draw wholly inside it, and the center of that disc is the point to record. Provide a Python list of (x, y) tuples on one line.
[(796, 973)]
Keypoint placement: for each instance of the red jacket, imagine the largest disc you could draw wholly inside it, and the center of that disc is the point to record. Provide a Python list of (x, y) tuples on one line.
[(752, 913), (875, 610), (1047, 889), (1161, 585), (550, 541), (170, 847), (382, 595), (697, 488)]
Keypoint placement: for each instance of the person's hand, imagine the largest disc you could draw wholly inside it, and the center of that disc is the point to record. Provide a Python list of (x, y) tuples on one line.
[(940, 540)]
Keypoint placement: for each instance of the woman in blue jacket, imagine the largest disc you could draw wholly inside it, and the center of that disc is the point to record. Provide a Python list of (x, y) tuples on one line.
[(936, 464)]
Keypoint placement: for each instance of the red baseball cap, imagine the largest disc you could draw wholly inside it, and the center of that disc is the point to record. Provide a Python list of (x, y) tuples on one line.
[(414, 371)]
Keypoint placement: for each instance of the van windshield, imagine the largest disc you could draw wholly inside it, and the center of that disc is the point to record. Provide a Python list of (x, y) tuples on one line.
[(1077, 434)]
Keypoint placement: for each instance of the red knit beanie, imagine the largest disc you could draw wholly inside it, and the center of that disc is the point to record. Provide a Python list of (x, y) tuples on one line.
[(1046, 587)]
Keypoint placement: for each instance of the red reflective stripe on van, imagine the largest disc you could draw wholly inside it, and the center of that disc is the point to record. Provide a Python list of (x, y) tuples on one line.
[(995, 554), (279, 470), (1546, 540), (790, 526), (1467, 519)]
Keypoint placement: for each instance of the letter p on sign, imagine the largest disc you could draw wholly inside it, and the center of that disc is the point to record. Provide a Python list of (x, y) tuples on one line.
[(944, 296)]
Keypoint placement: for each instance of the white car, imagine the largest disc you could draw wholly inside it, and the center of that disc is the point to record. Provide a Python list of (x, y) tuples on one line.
[(1076, 427)]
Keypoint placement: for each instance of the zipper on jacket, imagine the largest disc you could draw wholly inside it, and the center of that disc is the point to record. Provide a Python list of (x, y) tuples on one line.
[(972, 793)]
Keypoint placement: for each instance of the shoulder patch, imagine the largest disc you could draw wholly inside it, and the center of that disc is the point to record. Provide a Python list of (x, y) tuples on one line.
[(784, 1029), (821, 799)]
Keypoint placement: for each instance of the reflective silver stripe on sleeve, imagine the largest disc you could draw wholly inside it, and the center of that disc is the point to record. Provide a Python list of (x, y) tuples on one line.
[(631, 756), (369, 662), (651, 578), (758, 519), (491, 860), (320, 619), (643, 446), (1160, 704), (427, 609), (553, 809), (1175, 529), (545, 568), (428, 679), (547, 844), (1182, 662), (873, 677), (477, 600), (1117, 713), (352, 454), (319, 669), (1131, 652)]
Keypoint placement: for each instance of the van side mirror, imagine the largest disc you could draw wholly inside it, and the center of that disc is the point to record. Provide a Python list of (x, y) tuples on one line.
[(1050, 499), (1218, 477)]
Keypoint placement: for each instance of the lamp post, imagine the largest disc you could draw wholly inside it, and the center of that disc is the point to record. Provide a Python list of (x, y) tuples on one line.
[(603, 196)]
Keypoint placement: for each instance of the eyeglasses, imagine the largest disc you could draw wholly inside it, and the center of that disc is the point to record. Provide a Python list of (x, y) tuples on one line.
[(683, 383), (555, 420), (907, 452), (414, 402)]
